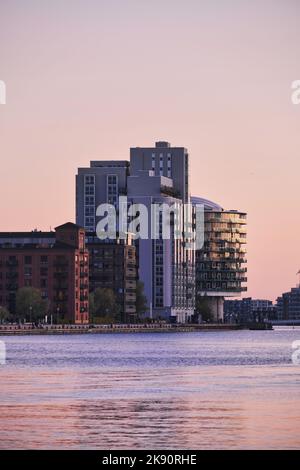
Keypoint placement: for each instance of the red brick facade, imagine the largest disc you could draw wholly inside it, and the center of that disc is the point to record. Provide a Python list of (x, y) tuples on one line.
[(55, 263)]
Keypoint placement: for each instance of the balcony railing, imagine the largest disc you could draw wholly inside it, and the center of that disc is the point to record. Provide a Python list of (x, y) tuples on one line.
[(12, 263), (58, 298), (60, 263), (60, 274), (61, 287), (12, 286)]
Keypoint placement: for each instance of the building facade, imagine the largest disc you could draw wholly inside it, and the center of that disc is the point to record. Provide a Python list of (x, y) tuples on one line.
[(220, 263), (112, 265), (288, 305), (56, 263), (248, 310)]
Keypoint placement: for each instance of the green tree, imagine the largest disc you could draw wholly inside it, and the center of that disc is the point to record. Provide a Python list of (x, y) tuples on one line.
[(103, 306), (141, 299), (203, 309), (4, 314), (30, 305)]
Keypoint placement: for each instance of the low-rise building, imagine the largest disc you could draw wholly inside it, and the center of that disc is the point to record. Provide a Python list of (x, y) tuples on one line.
[(56, 263)]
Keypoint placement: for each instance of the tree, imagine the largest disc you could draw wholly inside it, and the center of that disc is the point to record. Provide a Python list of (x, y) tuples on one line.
[(141, 299), (203, 309), (103, 306), (30, 305), (4, 314)]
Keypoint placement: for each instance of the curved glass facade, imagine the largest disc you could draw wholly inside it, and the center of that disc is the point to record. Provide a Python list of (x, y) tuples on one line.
[(220, 264)]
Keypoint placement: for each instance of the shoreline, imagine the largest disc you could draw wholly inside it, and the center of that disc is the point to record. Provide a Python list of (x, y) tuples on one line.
[(108, 329)]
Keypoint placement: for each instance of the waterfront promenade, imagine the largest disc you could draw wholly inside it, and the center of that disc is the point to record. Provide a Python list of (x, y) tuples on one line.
[(115, 328)]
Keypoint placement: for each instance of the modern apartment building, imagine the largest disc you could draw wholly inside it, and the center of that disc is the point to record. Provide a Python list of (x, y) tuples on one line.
[(56, 263), (112, 265), (220, 264), (160, 175)]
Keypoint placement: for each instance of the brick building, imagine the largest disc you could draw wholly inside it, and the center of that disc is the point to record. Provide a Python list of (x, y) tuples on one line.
[(54, 262), (113, 265)]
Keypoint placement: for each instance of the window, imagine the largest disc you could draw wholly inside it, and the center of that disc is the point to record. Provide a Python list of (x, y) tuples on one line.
[(44, 271), (89, 200), (112, 189), (90, 179), (89, 190), (153, 161), (112, 179), (89, 211), (161, 164), (27, 259)]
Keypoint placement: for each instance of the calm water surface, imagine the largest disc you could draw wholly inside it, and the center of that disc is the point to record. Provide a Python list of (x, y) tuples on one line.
[(206, 390)]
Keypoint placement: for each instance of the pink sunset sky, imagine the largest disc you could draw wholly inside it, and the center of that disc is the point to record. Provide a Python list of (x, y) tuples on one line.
[(88, 79)]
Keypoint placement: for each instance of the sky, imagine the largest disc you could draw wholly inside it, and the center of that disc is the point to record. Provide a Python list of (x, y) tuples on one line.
[(88, 79)]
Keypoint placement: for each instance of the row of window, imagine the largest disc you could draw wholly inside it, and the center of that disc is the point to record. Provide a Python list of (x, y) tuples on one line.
[(161, 164)]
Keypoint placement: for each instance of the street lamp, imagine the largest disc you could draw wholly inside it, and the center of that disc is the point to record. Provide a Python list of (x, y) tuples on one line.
[(30, 312)]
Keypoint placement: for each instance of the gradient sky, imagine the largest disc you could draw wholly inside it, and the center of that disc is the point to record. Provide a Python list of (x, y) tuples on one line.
[(88, 79)]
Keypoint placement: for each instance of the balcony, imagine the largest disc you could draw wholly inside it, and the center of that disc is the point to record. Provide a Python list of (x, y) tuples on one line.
[(12, 263), (169, 191), (12, 275), (12, 286), (60, 263), (59, 298), (60, 274), (61, 287)]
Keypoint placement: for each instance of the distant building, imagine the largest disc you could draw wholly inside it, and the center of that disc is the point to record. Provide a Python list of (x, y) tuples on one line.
[(56, 263), (220, 264), (112, 265), (248, 310), (288, 305)]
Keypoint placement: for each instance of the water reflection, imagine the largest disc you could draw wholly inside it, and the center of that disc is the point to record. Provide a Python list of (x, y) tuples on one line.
[(52, 396)]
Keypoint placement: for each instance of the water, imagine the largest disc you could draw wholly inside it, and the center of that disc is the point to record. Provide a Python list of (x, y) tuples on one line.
[(204, 390)]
